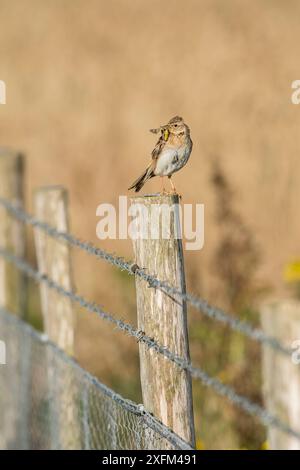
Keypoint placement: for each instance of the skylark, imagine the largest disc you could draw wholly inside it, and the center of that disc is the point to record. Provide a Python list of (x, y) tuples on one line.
[(170, 154)]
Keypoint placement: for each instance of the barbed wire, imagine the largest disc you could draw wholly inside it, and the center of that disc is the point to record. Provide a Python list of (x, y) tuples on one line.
[(242, 402), (128, 405), (131, 268)]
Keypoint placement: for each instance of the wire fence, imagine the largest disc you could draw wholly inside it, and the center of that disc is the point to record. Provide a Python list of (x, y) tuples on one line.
[(47, 417), (201, 305), (242, 402)]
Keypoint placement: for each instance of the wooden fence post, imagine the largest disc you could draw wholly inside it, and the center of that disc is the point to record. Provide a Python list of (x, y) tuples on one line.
[(12, 232), (13, 415), (281, 374), (54, 260), (167, 390)]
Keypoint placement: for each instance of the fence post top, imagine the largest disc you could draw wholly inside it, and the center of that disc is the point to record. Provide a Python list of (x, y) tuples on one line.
[(156, 198), (279, 303), (51, 188), (7, 151)]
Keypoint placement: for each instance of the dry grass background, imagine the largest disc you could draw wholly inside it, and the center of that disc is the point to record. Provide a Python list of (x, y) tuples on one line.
[(85, 82)]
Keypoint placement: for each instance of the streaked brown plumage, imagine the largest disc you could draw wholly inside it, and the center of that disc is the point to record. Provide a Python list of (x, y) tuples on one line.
[(170, 153)]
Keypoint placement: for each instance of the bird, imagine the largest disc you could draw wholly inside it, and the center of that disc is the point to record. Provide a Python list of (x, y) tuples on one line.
[(171, 152)]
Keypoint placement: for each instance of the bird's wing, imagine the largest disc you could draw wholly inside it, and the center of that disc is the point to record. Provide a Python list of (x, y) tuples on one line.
[(160, 144)]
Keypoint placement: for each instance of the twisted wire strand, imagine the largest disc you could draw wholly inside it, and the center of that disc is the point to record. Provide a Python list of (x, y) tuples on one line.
[(131, 268), (242, 402), (128, 405)]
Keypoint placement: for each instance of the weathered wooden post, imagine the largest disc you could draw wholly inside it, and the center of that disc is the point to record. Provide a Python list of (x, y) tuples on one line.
[(12, 232), (281, 374), (54, 260), (13, 416), (167, 390)]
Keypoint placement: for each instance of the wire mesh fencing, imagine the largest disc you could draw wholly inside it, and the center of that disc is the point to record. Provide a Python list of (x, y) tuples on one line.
[(49, 402), (265, 417)]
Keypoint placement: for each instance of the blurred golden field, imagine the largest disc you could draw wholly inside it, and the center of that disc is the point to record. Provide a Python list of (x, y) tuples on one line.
[(86, 80)]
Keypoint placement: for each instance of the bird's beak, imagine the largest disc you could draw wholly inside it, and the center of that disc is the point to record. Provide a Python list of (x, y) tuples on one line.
[(159, 129)]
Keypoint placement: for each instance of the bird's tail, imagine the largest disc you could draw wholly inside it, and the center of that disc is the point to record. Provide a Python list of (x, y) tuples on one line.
[(139, 183)]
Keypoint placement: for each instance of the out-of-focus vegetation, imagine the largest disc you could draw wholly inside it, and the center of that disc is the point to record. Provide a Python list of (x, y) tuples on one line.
[(86, 80), (292, 276), (232, 358)]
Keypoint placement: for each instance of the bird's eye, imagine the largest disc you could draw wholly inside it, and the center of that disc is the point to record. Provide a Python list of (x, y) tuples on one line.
[(175, 125)]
